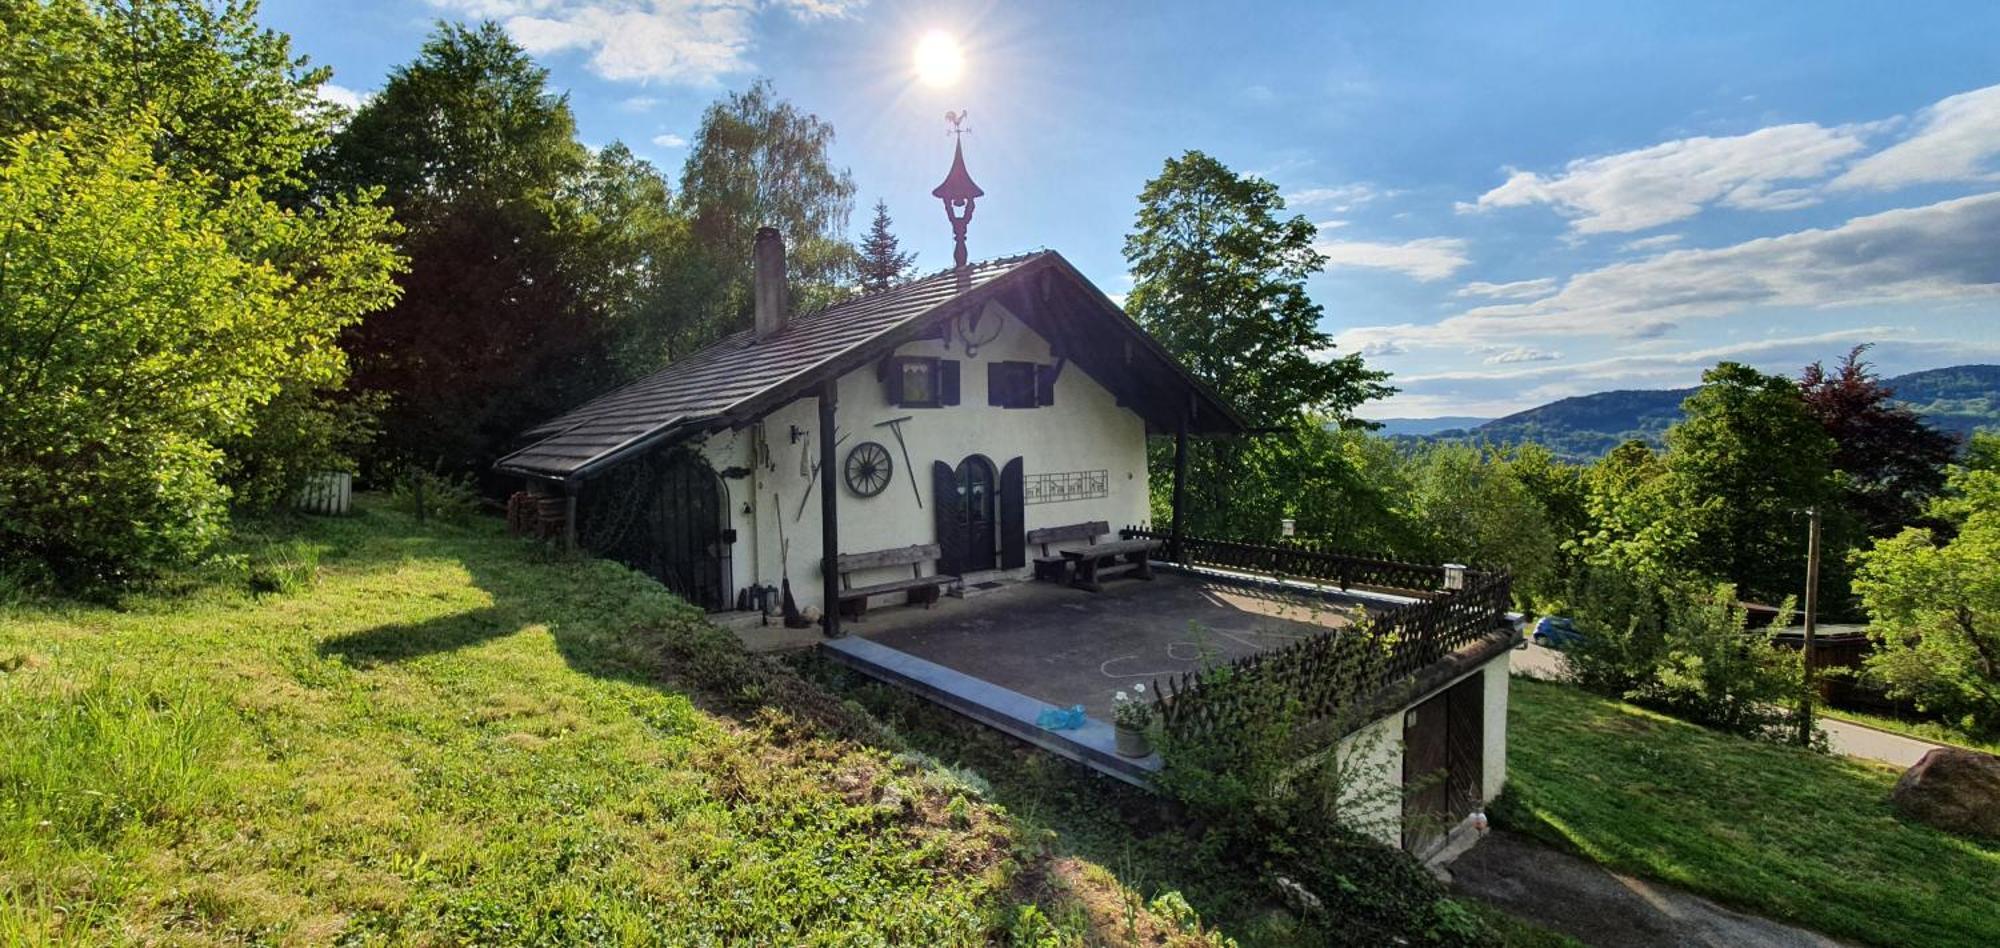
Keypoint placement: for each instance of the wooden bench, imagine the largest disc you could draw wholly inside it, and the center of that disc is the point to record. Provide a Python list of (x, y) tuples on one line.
[(1091, 561), (922, 589), (1053, 565)]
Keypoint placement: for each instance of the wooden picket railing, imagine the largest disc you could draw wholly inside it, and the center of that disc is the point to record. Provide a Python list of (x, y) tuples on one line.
[(1318, 678), (1300, 559)]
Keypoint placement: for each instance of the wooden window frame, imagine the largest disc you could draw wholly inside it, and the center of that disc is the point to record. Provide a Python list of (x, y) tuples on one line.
[(941, 372), (1025, 379)]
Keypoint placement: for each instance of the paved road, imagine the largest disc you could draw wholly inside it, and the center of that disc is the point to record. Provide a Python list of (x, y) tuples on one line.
[(1587, 902), (1844, 737)]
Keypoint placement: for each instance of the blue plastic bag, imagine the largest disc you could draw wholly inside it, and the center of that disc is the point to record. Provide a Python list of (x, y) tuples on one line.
[(1060, 719)]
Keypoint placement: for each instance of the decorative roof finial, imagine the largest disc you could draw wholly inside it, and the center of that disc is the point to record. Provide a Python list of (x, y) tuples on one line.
[(958, 192)]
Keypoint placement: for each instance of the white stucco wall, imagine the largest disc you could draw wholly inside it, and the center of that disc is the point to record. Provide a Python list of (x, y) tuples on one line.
[(1376, 752), (1085, 430), (1493, 765)]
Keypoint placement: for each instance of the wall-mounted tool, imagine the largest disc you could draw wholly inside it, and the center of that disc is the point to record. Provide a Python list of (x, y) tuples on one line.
[(813, 478), (895, 426)]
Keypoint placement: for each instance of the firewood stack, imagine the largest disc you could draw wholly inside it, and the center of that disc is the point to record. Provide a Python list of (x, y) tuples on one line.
[(535, 516)]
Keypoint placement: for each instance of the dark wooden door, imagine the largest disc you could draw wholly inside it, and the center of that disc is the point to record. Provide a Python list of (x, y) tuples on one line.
[(1443, 748), (1465, 741), (945, 503), (1013, 516), (978, 512), (1424, 798), (688, 534)]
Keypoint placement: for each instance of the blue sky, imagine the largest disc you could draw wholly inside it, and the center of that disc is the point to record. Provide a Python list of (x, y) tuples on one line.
[(1519, 201)]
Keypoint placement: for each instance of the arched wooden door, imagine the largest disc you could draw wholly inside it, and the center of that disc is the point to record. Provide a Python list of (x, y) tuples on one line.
[(979, 515)]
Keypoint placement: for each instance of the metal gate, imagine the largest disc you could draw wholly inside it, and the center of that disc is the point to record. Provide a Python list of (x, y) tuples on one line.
[(666, 516), (688, 533)]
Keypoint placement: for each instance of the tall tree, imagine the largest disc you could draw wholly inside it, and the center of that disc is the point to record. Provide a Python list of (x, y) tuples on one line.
[(883, 261), (759, 161), (496, 327), (1219, 278), (227, 110), (1893, 462), (1746, 463), (1934, 602), (231, 101)]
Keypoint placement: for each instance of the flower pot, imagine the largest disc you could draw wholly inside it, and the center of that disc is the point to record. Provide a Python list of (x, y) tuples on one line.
[(1132, 741)]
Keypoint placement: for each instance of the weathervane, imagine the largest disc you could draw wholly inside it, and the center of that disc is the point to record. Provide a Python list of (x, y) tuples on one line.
[(958, 192)]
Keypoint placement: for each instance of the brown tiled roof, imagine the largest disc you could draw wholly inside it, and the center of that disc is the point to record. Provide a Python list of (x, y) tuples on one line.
[(734, 373)]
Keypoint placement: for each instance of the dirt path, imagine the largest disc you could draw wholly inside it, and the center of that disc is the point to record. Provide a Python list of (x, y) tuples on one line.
[(1843, 737), (1587, 902)]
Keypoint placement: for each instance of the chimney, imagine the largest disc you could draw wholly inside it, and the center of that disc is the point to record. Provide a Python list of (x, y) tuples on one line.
[(768, 285)]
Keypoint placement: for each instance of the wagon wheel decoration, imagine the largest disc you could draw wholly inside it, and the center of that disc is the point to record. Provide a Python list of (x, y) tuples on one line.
[(868, 469)]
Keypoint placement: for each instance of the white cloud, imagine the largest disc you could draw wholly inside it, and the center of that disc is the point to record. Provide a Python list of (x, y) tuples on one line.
[(1937, 252), (1510, 388), (1517, 290), (1338, 200), (340, 95), (669, 140), (1643, 244), (694, 42), (1674, 180), (640, 103), (1522, 354), (1955, 139), (1428, 258)]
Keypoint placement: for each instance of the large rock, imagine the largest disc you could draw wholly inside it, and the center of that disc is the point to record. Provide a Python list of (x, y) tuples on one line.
[(1954, 790)]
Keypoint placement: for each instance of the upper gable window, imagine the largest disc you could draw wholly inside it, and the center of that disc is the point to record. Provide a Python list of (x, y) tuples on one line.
[(921, 382), (1021, 384), (1010, 384)]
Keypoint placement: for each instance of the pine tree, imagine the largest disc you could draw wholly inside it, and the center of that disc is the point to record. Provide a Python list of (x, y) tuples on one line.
[(883, 263)]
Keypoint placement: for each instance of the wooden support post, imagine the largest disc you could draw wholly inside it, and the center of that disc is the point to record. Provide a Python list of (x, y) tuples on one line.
[(1808, 659), (1180, 490), (829, 518)]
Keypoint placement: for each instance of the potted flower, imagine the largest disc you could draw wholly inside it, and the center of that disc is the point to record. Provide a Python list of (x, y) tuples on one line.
[(1131, 716)]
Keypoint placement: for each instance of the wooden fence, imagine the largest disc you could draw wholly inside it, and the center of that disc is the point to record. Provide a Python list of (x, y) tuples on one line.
[(1317, 678), (1301, 559)]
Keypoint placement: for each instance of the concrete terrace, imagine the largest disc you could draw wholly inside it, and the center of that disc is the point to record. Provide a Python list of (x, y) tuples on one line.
[(1003, 656)]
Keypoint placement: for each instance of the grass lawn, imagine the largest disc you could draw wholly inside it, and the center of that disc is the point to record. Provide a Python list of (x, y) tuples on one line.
[(1933, 731), (1799, 837), (445, 735)]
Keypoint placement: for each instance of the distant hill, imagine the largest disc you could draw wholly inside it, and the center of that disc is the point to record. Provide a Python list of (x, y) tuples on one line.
[(1957, 399), (1427, 426)]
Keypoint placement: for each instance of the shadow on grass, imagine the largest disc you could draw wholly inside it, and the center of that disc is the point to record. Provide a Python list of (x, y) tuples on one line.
[(403, 641), (606, 621)]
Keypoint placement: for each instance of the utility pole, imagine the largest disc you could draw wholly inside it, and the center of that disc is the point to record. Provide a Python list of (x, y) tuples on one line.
[(1808, 694)]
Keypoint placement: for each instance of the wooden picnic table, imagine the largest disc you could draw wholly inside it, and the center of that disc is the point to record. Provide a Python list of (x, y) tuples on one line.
[(1091, 561)]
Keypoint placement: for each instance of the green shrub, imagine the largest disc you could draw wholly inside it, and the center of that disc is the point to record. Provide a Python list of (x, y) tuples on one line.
[(1683, 646), (143, 321)]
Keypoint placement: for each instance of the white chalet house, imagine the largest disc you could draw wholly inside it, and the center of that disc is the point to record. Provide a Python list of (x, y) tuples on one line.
[(976, 425), (963, 410)]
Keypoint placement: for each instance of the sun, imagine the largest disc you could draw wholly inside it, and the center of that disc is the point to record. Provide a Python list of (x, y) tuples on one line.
[(938, 59)]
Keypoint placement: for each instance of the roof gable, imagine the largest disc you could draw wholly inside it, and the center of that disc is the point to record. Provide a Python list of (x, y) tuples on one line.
[(739, 378)]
